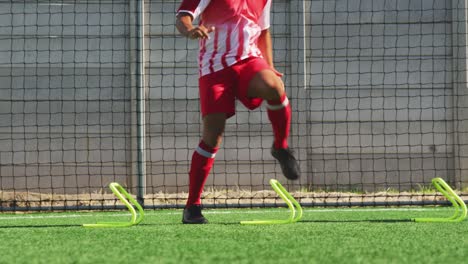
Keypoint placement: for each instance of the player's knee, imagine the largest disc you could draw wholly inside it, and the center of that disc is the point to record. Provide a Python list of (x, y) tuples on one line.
[(275, 91), (274, 87)]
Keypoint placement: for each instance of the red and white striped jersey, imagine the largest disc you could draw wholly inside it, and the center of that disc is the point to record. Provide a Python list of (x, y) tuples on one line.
[(237, 23)]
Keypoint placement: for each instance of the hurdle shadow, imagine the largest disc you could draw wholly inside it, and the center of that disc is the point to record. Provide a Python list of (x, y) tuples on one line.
[(37, 226), (359, 221), (180, 224), (218, 223)]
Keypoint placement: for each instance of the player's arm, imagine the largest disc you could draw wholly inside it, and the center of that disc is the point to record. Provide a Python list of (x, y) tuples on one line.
[(186, 28), (266, 47), (264, 42)]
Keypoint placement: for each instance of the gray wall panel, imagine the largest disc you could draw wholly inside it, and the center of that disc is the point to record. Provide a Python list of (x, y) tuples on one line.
[(64, 90), (374, 105), (377, 112), (377, 11)]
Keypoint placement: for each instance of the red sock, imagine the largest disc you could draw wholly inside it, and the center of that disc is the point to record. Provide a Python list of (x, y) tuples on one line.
[(202, 161), (279, 113)]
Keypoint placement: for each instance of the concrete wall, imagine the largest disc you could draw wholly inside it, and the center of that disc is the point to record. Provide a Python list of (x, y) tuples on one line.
[(377, 111), (460, 90), (64, 97), (173, 110), (381, 93)]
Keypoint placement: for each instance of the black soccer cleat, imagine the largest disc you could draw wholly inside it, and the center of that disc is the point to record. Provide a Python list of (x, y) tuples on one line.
[(288, 162), (193, 215)]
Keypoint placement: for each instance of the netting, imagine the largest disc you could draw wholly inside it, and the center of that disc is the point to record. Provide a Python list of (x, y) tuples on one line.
[(91, 93), (64, 101)]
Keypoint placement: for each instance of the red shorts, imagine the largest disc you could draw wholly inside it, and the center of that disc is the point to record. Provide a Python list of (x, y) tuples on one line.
[(219, 90)]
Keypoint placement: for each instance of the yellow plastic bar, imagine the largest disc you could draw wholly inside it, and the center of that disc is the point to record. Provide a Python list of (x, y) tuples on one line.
[(460, 212), (129, 202), (297, 206), (293, 206), (115, 187)]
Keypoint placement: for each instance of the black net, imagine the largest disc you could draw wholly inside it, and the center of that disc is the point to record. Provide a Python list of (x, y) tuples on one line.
[(64, 102)]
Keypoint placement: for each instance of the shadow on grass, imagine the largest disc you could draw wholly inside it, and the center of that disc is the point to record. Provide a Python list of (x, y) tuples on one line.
[(37, 226), (359, 221), (301, 221), (180, 224), (81, 226), (213, 223)]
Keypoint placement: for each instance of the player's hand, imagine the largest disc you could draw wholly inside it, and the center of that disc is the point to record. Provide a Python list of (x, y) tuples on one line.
[(279, 74), (200, 32)]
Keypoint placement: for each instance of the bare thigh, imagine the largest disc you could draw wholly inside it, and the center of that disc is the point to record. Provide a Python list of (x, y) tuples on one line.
[(265, 84)]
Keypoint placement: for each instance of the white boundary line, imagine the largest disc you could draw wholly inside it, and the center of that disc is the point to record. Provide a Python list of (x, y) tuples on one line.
[(216, 211)]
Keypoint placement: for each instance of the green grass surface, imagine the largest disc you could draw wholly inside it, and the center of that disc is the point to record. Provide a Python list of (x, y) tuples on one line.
[(362, 235)]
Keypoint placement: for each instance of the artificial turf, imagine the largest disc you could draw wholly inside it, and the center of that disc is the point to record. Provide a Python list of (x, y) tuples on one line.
[(346, 235)]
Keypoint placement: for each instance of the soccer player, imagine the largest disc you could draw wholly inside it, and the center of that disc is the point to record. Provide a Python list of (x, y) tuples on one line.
[(235, 62)]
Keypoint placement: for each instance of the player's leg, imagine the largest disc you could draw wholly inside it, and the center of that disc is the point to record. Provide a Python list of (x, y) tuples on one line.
[(202, 161), (267, 85), (217, 103)]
